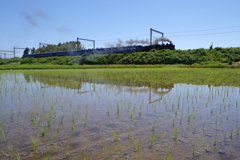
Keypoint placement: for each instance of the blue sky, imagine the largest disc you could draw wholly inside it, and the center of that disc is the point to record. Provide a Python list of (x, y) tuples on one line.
[(189, 24)]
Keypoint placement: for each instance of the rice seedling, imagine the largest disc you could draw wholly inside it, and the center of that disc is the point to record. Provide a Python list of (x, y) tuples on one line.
[(153, 137), (173, 122), (45, 156), (118, 108), (85, 122), (67, 151), (52, 107), (216, 121), (61, 119), (17, 156), (43, 131), (32, 117), (189, 118), (12, 114), (215, 138), (204, 125), (195, 147), (86, 108), (108, 112), (134, 109), (181, 120), (175, 133), (129, 135), (168, 155), (131, 114), (73, 118), (224, 139), (8, 153), (115, 135), (34, 143), (136, 144), (140, 113), (52, 139), (194, 127), (121, 151), (231, 133), (72, 126), (176, 112), (154, 125), (49, 121), (3, 134)]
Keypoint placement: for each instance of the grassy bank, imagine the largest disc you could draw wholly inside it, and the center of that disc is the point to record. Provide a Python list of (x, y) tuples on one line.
[(49, 66)]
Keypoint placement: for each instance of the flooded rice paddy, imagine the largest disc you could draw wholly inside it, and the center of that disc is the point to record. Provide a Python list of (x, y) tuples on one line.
[(120, 114)]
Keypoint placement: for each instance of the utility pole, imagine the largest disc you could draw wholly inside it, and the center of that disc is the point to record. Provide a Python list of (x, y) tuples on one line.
[(14, 48), (6, 51), (86, 40), (4, 55), (151, 30)]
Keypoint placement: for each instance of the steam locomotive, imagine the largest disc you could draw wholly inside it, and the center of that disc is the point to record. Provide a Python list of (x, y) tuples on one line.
[(114, 50)]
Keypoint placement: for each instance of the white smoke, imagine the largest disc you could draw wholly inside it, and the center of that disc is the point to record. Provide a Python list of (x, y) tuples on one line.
[(132, 42), (163, 39)]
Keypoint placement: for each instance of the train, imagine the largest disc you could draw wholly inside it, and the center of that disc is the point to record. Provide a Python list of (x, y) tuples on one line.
[(113, 50)]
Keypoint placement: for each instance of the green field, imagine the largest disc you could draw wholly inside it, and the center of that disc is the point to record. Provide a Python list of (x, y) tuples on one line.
[(121, 113)]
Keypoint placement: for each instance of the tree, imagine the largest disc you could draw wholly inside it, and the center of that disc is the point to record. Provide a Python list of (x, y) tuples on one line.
[(26, 51), (33, 50)]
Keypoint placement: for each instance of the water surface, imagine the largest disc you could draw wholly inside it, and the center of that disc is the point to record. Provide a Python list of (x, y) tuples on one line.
[(118, 114)]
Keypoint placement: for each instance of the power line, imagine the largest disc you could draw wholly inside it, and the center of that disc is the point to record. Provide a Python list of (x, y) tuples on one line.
[(181, 32), (204, 34), (122, 38), (203, 30)]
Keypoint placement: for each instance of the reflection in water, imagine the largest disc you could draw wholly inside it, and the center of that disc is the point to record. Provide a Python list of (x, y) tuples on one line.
[(75, 84), (106, 119), (91, 89), (160, 92)]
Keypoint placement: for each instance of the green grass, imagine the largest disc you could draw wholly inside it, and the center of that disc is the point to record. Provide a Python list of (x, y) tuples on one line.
[(51, 66)]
